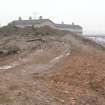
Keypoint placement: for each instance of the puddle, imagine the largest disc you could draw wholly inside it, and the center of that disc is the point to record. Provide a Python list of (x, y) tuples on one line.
[(5, 67), (56, 59), (39, 67)]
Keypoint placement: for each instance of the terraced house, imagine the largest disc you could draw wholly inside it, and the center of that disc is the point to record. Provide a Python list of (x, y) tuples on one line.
[(46, 22)]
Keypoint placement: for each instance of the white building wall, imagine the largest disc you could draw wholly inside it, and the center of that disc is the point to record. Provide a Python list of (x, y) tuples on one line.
[(47, 23), (52, 25), (72, 30)]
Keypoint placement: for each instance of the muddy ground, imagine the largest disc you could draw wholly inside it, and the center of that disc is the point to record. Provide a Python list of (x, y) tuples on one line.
[(49, 69)]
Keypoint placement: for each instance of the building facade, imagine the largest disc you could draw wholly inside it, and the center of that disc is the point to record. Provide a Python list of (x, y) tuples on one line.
[(46, 22)]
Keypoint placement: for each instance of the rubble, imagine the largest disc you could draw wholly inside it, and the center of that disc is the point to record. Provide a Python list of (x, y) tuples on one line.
[(52, 68)]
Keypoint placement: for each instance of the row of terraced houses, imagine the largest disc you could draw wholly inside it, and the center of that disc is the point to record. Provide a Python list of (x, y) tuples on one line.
[(46, 22)]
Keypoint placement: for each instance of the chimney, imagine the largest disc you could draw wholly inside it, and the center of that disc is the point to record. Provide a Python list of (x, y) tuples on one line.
[(40, 17), (62, 22), (30, 18), (73, 23), (20, 18)]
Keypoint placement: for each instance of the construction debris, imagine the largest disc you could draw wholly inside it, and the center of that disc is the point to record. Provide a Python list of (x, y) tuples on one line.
[(50, 67)]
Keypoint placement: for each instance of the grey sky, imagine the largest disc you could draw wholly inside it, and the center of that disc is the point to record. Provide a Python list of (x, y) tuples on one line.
[(88, 13)]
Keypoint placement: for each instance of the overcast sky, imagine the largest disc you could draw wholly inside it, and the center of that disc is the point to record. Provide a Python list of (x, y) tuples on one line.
[(88, 13)]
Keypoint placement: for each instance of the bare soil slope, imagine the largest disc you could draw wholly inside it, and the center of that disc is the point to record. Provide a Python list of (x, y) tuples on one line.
[(50, 67)]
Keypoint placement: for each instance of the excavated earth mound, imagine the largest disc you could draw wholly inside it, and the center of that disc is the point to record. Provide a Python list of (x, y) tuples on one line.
[(45, 66)]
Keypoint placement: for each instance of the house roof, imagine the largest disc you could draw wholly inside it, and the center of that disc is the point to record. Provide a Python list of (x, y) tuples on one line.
[(30, 22), (68, 26), (40, 21)]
